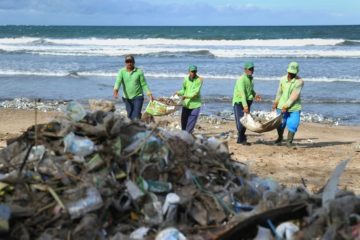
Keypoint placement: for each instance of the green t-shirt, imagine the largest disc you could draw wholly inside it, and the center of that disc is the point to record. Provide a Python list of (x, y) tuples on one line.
[(191, 90), (133, 83), (288, 94), (243, 90)]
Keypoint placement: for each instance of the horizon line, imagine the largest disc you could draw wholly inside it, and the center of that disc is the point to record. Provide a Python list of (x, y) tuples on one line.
[(84, 25)]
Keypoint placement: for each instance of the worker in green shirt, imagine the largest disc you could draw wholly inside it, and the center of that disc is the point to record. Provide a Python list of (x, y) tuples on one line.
[(190, 93), (288, 102), (134, 85), (243, 97)]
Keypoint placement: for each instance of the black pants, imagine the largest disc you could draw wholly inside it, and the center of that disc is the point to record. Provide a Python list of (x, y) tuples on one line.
[(133, 107), (239, 113)]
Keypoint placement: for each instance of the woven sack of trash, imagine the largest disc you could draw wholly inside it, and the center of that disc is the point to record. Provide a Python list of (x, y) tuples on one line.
[(261, 125), (163, 106)]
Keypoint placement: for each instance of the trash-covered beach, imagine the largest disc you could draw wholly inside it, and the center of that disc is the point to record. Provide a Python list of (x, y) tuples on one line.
[(96, 175)]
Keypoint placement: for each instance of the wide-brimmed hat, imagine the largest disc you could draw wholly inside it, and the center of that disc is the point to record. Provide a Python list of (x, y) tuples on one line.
[(293, 68)]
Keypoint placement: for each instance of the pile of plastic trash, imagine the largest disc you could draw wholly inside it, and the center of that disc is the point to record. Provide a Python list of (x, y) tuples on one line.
[(100, 176)]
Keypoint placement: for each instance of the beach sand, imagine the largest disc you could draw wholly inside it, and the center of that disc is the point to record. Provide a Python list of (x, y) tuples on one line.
[(318, 149), (14, 122)]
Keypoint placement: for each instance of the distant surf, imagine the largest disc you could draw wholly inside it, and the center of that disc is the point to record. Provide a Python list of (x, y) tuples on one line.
[(161, 47)]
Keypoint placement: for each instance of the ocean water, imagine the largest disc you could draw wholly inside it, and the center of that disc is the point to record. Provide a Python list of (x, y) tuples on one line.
[(61, 62)]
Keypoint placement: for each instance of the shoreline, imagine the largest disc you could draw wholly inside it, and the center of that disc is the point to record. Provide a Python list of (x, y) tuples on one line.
[(318, 148), (52, 105)]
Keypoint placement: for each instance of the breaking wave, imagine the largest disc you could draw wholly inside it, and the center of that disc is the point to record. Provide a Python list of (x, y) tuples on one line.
[(297, 48)]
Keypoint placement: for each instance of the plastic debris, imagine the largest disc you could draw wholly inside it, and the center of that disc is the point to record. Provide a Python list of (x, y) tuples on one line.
[(287, 230), (255, 125), (75, 111), (170, 234), (82, 201), (5, 213), (139, 233), (170, 207), (102, 176), (37, 153), (25, 103), (101, 105), (331, 187), (78, 145), (134, 190)]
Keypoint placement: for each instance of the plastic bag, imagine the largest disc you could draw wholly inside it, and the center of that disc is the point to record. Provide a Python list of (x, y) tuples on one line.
[(75, 111), (170, 234), (287, 230), (139, 233)]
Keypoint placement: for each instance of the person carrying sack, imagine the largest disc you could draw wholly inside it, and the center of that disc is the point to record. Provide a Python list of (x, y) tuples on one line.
[(134, 85), (190, 93), (288, 102), (242, 99)]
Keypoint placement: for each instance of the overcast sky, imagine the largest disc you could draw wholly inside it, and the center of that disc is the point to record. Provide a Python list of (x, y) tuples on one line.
[(176, 12)]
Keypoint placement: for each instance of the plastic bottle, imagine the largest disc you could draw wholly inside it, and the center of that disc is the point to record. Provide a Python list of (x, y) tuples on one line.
[(37, 153), (90, 202), (170, 207), (133, 190), (78, 145), (152, 210), (158, 186), (5, 213)]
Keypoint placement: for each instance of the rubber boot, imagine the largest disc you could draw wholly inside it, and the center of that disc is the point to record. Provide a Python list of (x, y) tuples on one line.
[(238, 139), (290, 139), (243, 142), (280, 138)]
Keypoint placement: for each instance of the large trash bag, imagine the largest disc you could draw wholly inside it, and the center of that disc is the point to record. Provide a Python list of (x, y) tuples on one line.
[(162, 107), (257, 126)]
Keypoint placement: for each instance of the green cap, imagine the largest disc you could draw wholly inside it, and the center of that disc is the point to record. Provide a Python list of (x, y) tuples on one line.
[(192, 68), (248, 65), (293, 68)]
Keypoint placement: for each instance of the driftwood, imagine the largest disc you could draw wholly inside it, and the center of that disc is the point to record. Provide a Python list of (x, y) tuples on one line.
[(248, 228)]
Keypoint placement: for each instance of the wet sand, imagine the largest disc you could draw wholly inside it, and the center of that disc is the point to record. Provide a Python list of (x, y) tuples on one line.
[(318, 149)]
